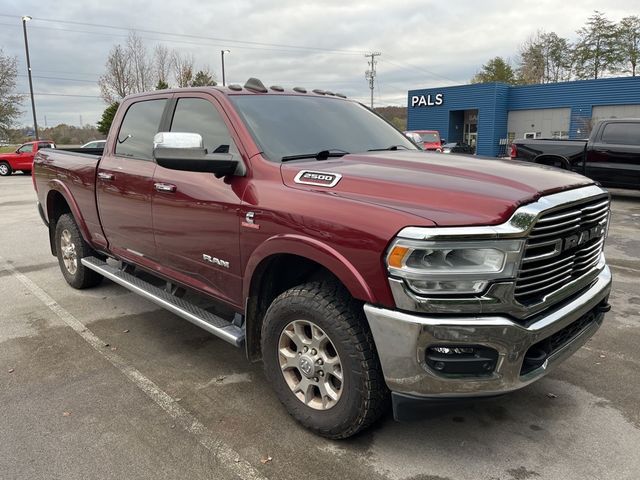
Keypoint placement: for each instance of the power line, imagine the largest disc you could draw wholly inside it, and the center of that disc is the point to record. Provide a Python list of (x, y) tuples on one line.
[(59, 78), (407, 65), (62, 95), (197, 37)]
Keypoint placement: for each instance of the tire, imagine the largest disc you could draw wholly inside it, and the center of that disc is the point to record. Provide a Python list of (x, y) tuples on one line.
[(71, 249), (327, 311), (5, 169)]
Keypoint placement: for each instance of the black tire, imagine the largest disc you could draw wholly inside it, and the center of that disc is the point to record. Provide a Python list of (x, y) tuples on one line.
[(5, 169), (67, 233), (364, 396)]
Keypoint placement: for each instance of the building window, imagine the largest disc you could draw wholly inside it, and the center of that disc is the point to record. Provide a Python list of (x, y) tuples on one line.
[(560, 134)]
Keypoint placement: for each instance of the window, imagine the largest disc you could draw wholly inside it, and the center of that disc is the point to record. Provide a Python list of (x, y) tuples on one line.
[(140, 124), (197, 115), (26, 148), (560, 134), (622, 133)]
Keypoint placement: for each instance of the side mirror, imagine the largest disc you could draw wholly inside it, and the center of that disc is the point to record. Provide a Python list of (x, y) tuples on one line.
[(185, 151)]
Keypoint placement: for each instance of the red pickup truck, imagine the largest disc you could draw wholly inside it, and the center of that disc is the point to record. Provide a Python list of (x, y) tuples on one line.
[(22, 158), (357, 268)]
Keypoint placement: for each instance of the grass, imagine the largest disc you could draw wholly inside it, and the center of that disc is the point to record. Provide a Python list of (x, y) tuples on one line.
[(9, 149)]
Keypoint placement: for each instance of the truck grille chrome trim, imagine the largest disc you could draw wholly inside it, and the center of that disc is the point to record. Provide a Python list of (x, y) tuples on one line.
[(577, 257)]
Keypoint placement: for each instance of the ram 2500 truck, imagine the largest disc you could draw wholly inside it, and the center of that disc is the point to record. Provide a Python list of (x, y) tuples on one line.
[(611, 156), (356, 267)]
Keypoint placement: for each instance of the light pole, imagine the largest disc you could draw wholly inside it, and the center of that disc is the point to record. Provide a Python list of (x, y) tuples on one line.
[(25, 19), (222, 52)]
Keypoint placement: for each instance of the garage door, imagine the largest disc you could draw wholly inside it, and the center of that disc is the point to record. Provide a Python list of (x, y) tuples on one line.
[(615, 111), (544, 122)]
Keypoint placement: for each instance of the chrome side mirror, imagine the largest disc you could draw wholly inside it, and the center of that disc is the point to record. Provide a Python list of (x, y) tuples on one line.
[(177, 140)]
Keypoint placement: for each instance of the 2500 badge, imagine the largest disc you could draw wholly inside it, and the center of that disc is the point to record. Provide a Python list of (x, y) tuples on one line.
[(320, 179)]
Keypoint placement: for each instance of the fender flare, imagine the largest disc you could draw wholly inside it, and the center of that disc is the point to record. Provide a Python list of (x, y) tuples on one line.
[(315, 251), (62, 189)]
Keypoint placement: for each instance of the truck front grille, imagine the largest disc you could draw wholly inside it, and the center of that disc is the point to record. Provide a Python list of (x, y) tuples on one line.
[(563, 247)]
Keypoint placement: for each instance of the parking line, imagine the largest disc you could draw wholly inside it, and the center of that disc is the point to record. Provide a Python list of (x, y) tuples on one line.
[(221, 452)]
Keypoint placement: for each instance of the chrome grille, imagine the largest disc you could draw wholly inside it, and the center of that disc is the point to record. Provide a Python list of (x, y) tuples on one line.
[(551, 258)]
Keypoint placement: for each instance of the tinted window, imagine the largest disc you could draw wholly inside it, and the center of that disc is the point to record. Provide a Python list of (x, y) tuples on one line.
[(26, 148), (197, 115), (284, 125), (622, 133), (140, 124)]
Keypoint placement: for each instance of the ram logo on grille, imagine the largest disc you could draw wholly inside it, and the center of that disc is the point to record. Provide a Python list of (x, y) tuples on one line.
[(583, 237), (320, 179)]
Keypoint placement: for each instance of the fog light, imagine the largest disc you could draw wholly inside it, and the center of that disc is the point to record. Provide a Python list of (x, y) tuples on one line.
[(462, 360)]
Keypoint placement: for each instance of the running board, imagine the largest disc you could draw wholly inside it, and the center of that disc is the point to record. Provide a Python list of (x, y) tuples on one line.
[(214, 324)]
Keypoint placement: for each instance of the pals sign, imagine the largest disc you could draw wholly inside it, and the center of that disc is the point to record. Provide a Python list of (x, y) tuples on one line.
[(427, 100)]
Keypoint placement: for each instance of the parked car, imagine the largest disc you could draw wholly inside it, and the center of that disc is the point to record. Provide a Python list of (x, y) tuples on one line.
[(95, 144), (427, 139), (22, 158), (456, 147), (355, 269), (610, 156)]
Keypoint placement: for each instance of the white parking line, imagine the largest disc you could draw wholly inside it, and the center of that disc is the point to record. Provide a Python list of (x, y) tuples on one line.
[(221, 452)]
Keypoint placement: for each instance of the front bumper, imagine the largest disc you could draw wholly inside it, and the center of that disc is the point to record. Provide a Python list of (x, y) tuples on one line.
[(402, 340)]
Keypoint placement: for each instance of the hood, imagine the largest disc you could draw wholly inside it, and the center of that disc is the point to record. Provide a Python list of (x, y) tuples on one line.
[(450, 190)]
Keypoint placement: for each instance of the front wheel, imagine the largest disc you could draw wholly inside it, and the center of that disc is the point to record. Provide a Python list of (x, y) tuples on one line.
[(71, 249), (5, 169), (319, 354)]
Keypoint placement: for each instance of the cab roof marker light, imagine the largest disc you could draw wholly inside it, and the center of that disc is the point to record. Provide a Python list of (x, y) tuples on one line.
[(277, 88), (236, 87), (319, 91), (340, 95), (300, 89), (255, 85)]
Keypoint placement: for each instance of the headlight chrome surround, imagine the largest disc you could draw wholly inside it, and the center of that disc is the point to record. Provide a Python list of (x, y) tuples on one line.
[(453, 267)]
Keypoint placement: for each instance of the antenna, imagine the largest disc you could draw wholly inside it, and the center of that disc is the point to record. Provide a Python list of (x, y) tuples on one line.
[(371, 73)]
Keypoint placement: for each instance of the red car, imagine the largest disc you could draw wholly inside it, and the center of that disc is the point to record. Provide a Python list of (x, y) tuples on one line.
[(22, 158), (428, 139)]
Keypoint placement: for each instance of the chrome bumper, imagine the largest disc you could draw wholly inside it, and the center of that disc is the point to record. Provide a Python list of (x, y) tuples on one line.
[(402, 340)]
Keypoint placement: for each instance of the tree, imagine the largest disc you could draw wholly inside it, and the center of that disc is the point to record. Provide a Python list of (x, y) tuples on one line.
[(117, 82), (162, 85), (141, 67), (162, 61), (545, 58), (182, 69), (9, 101), (628, 43), (596, 51), (532, 62), (104, 124), (495, 70), (202, 79)]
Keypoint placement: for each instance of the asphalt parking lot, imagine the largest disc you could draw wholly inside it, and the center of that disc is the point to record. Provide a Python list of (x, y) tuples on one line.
[(102, 384)]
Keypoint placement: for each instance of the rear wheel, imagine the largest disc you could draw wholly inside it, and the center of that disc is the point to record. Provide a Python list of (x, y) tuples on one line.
[(71, 249), (5, 169), (319, 355)]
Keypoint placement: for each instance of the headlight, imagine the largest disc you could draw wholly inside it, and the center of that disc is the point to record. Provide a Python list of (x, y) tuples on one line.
[(459, 267)]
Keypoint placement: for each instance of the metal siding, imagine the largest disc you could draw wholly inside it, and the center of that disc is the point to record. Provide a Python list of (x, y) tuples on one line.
[(494, 100)]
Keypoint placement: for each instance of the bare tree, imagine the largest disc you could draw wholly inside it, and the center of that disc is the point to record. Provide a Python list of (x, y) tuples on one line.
[(183, 69), (141, 67), (9, 101), (162, 60), (117, 82)]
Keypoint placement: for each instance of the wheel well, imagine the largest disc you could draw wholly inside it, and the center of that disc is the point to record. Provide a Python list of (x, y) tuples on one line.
[(553, 161), (56, 207), (273, 276)]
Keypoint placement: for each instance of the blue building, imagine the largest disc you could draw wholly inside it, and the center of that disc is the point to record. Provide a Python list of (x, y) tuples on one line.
[(490, 115)]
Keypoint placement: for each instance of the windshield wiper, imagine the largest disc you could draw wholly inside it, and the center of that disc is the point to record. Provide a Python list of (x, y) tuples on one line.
[(392, 147), (321, 155)]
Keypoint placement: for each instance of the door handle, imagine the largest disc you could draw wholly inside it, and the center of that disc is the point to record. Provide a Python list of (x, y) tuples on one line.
[(164, 187), (106, 176)]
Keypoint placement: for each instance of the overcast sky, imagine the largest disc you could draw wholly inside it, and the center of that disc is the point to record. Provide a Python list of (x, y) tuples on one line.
[(320, 44)]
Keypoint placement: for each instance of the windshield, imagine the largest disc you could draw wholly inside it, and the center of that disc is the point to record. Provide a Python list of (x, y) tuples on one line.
[(430, 137), (289, 125)]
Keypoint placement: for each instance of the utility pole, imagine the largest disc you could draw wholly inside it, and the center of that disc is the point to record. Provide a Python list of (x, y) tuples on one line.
[(25, 19), (371, 73)]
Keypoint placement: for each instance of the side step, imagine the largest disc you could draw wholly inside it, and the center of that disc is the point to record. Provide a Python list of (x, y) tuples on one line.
[(208, 321)]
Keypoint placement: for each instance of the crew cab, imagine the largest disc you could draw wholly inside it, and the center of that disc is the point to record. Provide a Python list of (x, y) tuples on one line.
[(22, 158), (358, 268), (610, 156)]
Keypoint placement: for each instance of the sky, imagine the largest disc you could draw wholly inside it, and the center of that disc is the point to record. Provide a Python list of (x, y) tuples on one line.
[(286, 42)]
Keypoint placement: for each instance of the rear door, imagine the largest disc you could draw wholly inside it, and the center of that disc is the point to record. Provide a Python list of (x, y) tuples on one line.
[(614, 158), (196, 215), (124, 183)]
